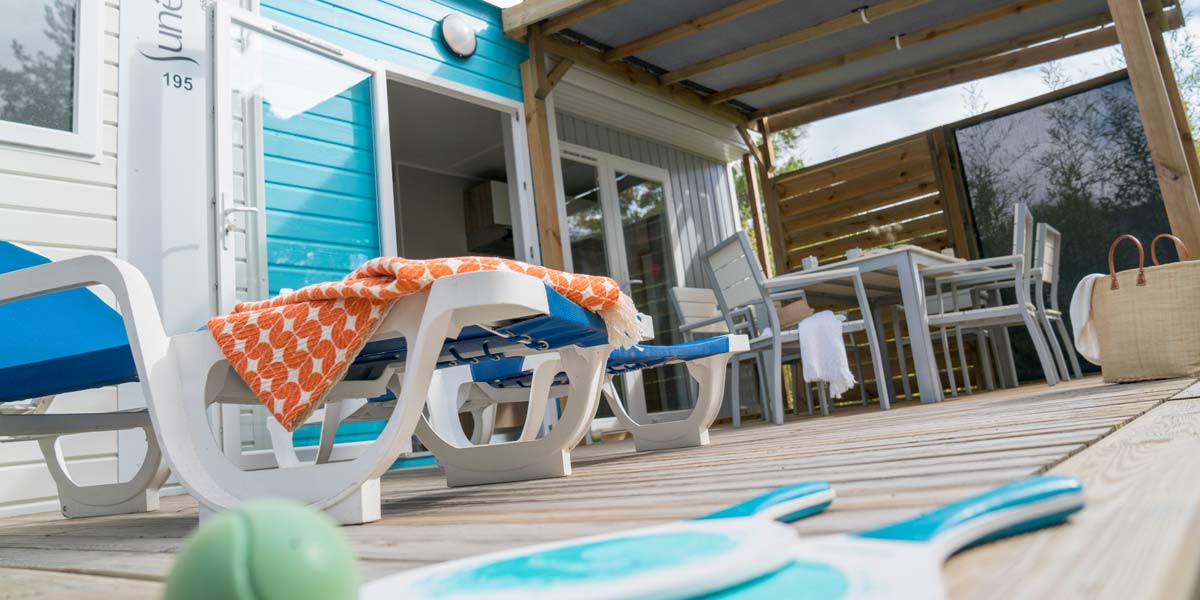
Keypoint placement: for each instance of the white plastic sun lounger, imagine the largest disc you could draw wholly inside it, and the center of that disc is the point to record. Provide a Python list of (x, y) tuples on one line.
[(60, 337), (537, 379)]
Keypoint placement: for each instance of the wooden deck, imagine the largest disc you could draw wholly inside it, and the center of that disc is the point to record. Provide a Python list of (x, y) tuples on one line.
[(1137, 448)]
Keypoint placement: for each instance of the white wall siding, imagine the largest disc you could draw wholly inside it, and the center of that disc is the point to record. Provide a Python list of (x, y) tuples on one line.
[(703, 208), (64, 207)]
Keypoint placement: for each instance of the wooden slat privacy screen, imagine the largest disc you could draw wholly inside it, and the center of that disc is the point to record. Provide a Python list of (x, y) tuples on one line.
[(883, 196)]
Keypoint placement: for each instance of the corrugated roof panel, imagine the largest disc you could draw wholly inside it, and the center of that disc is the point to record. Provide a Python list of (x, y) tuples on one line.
[(642, 17)]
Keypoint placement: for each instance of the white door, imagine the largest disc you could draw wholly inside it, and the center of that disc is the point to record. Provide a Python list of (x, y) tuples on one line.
[(302, 168), (620, 223)]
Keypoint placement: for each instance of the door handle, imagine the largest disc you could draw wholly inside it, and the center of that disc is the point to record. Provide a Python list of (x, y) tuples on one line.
[(227, 219)]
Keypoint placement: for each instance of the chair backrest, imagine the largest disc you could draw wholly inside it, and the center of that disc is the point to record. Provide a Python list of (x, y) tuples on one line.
[(1023, 234), (1047, 258), (737, 278), (692, 305)]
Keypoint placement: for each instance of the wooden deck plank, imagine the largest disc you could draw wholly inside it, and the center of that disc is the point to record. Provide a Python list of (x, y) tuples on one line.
[(1138, 537), (885, 466), (51, 585)]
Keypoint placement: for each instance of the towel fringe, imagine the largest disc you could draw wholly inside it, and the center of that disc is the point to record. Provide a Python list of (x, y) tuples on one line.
[(622, 323)]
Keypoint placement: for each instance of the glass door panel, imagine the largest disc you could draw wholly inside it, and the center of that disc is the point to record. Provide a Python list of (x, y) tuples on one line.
[(585, 218), (650, 268)]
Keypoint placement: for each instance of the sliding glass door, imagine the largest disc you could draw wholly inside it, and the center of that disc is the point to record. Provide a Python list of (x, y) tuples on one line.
[(619, 224)]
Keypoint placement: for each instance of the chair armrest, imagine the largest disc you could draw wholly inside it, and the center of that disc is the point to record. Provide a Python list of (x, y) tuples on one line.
[(792, 282), (703, 323), (973, 265), (977, 277)]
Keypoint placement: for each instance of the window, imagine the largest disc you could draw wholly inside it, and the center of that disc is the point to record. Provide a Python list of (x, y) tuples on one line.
[(49, 74)]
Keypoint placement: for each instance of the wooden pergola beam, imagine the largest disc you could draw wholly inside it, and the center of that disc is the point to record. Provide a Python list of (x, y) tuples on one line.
[(689, 27), (986, 67), (750, 170), (556, 74), (579, 15), (1157, 20), (926, 69), (880, 48), (545, 190), (755, 151), (516, 19), (593, 60), (808, 34), (1167, 150)]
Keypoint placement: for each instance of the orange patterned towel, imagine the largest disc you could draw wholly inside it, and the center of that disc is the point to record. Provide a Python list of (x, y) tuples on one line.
[(292, 349)]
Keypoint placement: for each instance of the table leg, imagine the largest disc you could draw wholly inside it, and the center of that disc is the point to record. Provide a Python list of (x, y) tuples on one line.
[(912, 290), (884, 359)]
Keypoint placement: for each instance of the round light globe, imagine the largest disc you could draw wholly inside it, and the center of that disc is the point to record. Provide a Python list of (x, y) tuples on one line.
[(458, 36)]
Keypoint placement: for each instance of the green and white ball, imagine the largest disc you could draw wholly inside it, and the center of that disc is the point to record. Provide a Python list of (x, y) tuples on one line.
[(265, 550)]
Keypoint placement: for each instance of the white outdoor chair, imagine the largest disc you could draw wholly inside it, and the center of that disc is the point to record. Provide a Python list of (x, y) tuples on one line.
[(1047, 255), (701, 317), (58, 337), (745, 295), (992, 275)]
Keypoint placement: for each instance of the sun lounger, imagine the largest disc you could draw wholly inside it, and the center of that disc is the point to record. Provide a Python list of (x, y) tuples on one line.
[(478, 387), (472, 316)]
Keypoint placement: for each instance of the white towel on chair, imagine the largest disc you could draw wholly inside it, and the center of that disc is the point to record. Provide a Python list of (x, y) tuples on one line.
[(823, 352), (1086, 340)]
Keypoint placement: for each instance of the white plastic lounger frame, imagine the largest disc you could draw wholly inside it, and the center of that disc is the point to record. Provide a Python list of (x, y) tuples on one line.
[(182, 375), (471, 460), (138, 494)]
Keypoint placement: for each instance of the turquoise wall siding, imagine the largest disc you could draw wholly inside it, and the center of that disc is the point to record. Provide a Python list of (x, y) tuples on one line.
[(405, 33), (322, 208)]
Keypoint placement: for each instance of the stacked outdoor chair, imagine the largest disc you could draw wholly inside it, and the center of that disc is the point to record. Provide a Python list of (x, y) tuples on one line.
[(60, 337), (990, 311), (700, 316), (745, 295)]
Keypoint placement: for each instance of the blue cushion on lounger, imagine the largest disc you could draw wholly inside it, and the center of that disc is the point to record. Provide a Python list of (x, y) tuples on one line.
[(60, 342), (508, 372)]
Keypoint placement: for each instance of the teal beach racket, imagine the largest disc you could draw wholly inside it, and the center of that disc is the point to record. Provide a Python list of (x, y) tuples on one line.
[(904, 560), (677, 560)]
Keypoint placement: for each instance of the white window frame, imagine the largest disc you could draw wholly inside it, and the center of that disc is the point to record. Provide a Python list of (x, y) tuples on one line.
[(83, 139)]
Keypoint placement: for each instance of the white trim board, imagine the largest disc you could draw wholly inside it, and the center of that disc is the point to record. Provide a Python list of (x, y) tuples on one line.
[(623, 106)]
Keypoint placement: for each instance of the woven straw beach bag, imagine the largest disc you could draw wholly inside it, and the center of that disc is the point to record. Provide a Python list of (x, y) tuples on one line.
[(1148, 319)]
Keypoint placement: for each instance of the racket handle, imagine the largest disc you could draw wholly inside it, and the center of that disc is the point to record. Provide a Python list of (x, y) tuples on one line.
[(786, 504), (1010, 509)]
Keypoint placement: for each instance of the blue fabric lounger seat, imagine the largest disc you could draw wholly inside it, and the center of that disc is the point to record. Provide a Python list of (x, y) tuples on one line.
[(508, 373), (60, 342)]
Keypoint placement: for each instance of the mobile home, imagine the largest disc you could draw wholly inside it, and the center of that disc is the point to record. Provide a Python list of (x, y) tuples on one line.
[(232, 150)]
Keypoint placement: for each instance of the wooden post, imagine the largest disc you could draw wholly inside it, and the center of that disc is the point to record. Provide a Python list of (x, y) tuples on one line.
[(754, 198), (1178, 108), (1158, 119), (952, 205), (541, 161), (770, 197)]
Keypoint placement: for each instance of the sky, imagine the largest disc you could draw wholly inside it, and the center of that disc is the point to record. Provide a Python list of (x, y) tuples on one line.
[(851, 132)]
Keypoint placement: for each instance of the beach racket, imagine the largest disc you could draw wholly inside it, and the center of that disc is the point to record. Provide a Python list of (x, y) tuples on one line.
[(677, 560), (904, 560)]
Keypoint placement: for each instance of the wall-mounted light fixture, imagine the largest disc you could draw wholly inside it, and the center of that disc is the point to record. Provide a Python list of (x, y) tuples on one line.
[(458, 35)]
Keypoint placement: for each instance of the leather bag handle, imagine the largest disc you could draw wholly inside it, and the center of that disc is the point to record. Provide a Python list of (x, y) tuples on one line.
[(1112, 271), (1185, 255)]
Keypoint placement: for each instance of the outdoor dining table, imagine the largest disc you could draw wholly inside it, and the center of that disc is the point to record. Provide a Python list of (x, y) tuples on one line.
[(891, 276)]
